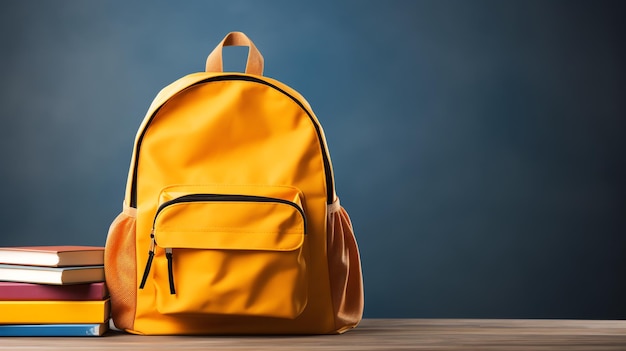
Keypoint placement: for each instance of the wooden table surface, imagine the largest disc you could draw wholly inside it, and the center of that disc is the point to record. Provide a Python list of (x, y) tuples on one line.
[(374, 334)]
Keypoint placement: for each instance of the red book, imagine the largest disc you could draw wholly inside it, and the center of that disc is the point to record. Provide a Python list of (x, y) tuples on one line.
[(31, 292), (53, 256)]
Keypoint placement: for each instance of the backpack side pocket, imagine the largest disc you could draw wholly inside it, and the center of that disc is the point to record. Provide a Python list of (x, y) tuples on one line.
[(344, 265), (120, 268)]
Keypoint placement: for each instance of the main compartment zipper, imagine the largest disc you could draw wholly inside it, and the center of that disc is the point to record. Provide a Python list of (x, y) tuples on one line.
[(318, 130), (202, 198)]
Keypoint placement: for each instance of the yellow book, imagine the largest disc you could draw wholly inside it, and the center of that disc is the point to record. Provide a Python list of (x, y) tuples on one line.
[(54, 312)]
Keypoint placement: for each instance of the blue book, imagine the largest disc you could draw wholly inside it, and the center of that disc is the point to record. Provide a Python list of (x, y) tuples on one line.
[(53, 329)]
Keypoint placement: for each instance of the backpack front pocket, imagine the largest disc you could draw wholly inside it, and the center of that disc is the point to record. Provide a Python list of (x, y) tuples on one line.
[(230, 253)]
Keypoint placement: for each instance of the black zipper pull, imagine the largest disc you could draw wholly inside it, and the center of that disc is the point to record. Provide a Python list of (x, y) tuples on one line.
[(170, 272), (146, 270)]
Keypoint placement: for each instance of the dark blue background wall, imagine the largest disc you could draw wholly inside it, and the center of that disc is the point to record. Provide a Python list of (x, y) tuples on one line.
[(478, 145)]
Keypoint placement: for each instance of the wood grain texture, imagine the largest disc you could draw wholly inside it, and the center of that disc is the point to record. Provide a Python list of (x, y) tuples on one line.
[(375, 334)]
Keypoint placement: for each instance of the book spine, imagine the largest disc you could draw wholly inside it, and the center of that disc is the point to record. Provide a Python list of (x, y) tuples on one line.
[(28, 291), (54, 312), (53, 329)]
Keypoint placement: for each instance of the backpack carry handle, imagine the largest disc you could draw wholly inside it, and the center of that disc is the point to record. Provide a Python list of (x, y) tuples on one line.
[(254, 65)]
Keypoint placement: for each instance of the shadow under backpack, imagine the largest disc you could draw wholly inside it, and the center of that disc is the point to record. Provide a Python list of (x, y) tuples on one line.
[(230, 221)]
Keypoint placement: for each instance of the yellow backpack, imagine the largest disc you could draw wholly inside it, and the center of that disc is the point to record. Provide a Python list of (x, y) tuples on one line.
[(230, 222)]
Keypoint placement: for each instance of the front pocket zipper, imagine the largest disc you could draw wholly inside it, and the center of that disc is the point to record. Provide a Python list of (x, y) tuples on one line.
[(226, 198), (191, 198)]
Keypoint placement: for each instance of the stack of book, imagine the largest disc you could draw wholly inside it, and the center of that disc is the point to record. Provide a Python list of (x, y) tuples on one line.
[(53, 291)]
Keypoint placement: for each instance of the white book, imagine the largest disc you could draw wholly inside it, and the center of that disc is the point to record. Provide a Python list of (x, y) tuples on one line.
[(51, 275)]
